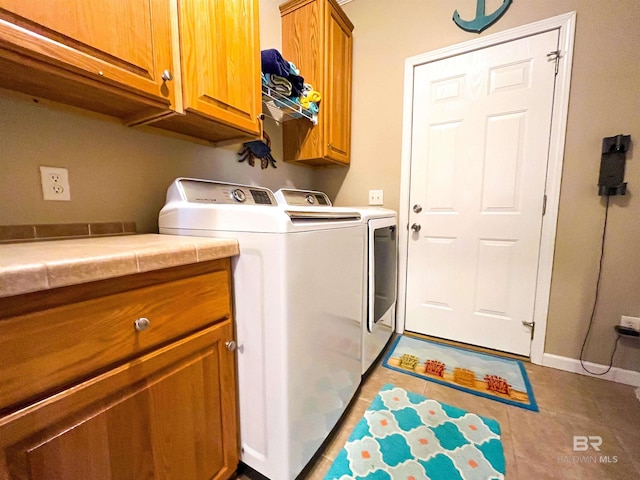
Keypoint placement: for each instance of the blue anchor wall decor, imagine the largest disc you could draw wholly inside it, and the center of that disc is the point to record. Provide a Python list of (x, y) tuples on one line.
[(482, 20)]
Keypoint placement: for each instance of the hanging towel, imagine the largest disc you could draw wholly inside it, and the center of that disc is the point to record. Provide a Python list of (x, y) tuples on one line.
[(272, 62)]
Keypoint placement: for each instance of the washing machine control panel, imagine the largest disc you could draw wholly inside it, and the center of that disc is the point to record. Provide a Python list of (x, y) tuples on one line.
[(303, 198), (204, 191)]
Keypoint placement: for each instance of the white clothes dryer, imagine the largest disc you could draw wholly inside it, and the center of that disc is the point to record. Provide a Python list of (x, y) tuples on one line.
[(298, 306), (380, 272)]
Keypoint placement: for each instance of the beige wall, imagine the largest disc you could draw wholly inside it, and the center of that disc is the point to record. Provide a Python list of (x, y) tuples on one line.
[(116, 173), (605, 100)]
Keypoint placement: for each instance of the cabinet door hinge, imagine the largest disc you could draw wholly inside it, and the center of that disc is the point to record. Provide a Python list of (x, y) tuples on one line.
[(555, 56), (544, 205)]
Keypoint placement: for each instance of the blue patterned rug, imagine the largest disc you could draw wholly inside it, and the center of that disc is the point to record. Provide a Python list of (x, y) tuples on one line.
[(498, 378), (405, 436)]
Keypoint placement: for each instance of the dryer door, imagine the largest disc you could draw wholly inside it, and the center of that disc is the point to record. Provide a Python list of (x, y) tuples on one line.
[(381, 289), (383, 268)]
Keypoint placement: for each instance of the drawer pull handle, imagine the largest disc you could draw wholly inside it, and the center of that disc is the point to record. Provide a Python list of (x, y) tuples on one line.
[(231, 345), (142, 324)]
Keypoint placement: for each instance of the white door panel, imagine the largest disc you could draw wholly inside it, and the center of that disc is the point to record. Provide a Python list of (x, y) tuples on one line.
[(480, 139)]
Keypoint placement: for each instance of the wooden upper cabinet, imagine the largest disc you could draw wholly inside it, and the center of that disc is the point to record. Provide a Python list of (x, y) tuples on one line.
[(337, 124), (220, 60), (317, 38), (104, 55), (188, 66)]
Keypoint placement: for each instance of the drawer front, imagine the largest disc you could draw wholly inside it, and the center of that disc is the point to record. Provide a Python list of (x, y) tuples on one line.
[(43, 351)]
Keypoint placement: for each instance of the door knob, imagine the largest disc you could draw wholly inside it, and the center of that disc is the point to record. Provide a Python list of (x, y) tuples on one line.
[(416, 227), (417, 208)]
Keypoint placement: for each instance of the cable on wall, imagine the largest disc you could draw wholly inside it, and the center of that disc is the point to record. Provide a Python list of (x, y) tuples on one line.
[(595, 301)]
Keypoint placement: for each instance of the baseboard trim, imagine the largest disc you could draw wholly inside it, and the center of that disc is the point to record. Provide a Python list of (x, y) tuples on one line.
[(619, 375)]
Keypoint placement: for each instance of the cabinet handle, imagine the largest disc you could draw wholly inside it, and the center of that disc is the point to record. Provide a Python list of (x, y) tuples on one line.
[(142, 324), (166, 76), (231, 345)]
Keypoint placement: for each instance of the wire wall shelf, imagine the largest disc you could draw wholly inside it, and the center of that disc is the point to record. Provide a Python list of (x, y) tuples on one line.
[(281, 108)]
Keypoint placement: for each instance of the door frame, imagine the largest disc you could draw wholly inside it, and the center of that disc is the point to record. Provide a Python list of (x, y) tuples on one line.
[(565, 23)]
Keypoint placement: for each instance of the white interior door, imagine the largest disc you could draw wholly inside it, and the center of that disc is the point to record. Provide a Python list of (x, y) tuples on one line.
[(479, 150)]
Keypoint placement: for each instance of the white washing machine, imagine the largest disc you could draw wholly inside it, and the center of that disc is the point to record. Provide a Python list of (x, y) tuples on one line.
[(298, 303), (380, 272)]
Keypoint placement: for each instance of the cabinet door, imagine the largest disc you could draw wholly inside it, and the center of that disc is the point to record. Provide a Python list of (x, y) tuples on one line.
[(337, 85), (220, 57), (169, 415), (303, 44), (316, 36), (123, 43)]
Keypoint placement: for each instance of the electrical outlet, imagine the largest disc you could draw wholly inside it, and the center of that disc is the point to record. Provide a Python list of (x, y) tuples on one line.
[(376, 197), (630, 322), (55, 183)]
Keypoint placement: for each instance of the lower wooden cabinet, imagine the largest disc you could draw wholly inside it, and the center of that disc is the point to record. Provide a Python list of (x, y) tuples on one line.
[(168, 414)]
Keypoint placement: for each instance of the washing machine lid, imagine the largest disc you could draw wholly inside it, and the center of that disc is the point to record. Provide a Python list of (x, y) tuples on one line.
[(206, 205)]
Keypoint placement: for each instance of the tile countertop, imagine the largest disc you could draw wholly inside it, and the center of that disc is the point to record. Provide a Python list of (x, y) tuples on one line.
[(34, 266)]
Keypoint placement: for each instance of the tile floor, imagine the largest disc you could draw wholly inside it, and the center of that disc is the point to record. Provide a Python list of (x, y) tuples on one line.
[(537, 445)]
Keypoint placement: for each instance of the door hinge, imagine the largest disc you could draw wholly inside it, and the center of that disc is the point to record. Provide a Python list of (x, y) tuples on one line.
[(544, 205), (555, 56)]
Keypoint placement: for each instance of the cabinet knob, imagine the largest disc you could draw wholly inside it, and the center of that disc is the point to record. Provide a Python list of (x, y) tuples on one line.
[(142, 324), (231, 345), (167, 76)]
